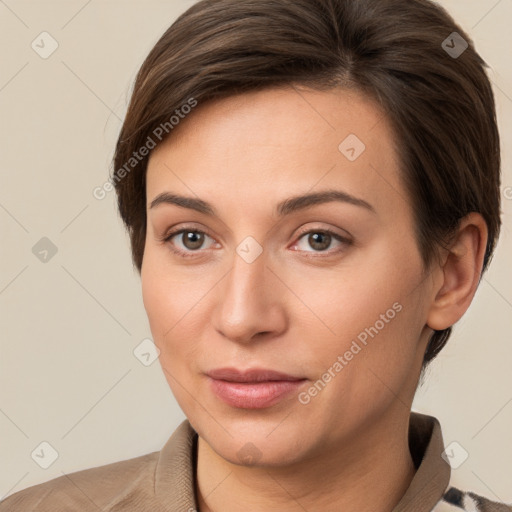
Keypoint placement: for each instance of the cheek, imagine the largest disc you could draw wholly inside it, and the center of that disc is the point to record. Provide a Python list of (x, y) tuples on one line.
[(163, 293), (364, 370), (374, 314), (361, 297), (164, 299), (154, 297), (174, 307), (166, 304)]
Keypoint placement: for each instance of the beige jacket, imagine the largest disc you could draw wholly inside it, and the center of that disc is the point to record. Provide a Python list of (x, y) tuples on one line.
[(164, 481)]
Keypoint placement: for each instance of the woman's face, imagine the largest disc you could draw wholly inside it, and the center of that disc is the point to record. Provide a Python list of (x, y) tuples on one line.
[(330, 292)]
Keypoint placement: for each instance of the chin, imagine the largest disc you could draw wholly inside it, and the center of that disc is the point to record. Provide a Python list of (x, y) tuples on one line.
[(259, 453), (255, 441)]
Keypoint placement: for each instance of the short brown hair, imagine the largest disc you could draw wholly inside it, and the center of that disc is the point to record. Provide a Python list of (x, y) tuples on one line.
[(440, 104)]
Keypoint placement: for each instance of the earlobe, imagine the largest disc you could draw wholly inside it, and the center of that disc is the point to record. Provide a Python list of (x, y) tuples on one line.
[(461, 271)]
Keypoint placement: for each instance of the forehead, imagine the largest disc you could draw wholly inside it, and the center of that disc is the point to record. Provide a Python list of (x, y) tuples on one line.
[(280, 142)]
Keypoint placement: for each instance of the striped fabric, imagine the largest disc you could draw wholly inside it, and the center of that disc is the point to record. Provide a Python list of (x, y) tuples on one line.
[(455, 500)]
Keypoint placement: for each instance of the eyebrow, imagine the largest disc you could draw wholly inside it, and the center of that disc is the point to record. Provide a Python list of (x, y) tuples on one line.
[(283, 208)]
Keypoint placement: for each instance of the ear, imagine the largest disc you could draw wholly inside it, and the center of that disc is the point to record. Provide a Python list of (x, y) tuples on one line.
[(460, 273)]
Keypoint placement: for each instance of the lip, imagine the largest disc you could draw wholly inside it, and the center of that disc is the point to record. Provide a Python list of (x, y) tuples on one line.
[(255, 388), (250, 375)]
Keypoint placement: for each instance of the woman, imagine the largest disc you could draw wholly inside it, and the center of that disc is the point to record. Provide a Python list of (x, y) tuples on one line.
[(311, 188)]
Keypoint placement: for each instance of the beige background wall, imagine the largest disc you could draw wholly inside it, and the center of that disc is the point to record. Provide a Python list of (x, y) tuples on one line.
[(68, 375)]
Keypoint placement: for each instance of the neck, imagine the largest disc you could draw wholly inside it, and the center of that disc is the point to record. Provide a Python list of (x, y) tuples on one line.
[(371, 472)]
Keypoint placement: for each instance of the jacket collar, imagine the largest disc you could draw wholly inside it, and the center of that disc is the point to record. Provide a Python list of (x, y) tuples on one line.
[(176, 473), (432, 472)]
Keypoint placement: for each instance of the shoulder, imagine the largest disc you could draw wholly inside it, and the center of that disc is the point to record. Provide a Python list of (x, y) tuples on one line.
[(146, 483), (455, 500), (90, 489)]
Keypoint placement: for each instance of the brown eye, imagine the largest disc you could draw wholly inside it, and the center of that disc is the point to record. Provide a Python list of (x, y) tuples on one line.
[(188, 242), (319, 241), (192, 240)]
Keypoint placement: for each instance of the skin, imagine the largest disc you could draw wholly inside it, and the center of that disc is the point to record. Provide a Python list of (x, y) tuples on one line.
[(295, 309)]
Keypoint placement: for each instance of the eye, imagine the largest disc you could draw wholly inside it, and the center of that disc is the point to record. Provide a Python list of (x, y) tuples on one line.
[(187, 241), (320, 240), (191, 242)]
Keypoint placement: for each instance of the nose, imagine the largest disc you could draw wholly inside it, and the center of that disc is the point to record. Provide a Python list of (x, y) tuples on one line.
[(250, 302)]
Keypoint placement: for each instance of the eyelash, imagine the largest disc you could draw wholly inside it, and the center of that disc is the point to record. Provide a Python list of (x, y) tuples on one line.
[(188, 254), (191, 254)]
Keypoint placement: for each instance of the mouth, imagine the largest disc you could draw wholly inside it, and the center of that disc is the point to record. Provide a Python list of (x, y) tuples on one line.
[(252, 375), (252, 389)]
